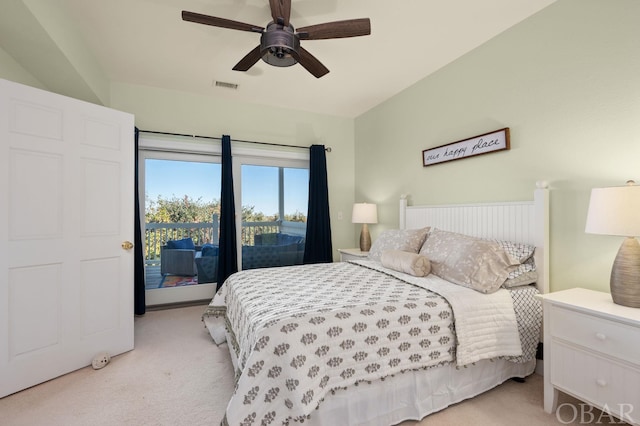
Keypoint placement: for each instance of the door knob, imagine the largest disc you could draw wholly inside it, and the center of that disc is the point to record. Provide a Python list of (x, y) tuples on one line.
[(127, 245)]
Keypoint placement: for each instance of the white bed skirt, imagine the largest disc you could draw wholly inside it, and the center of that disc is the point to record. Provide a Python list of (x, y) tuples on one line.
[(412, 396), (408, 396)]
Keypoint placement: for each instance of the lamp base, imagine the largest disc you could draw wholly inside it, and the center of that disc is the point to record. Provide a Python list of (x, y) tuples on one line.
[(625, 274), (365, 238)]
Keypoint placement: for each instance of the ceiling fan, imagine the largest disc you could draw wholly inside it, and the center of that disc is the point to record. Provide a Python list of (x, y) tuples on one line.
[(280, 41)]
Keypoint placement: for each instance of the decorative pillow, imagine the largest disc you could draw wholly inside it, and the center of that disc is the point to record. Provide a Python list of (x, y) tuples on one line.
[(266, 239), (481, 265), (407, 262), (519, 251), (398, 239), (525, 278), (185, 243), (209, 250)]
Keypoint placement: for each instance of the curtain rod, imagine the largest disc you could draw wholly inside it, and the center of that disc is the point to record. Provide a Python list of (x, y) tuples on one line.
[(328, 149)]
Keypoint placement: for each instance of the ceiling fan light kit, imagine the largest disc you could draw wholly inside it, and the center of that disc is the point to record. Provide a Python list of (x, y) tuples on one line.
[(280, 43)]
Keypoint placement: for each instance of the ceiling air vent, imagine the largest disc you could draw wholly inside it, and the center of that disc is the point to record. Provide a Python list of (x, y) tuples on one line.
[(226, 85)]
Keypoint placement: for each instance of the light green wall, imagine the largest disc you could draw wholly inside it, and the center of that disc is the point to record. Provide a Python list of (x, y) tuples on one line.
[(11, 70), (566, 82), (178, 112), (80, 64), (37, 35)]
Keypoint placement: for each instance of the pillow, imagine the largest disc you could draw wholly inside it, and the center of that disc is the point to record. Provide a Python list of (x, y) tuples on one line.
[(525, 278), (185, 243), (209, 250), (481, 265), (289, 239), (407, 262), (528, 265), (519, 251), (398, 239), (270, 239)]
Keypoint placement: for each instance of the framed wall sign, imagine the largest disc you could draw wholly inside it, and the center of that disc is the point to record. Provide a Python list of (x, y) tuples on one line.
[(497, 140)]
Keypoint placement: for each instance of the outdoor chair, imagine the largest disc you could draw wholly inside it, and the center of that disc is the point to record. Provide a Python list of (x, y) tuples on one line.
[(207, 264), (178, 257)]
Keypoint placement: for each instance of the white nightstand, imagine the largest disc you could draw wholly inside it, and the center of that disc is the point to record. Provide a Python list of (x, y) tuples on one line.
[(352, 254), (592, 352)]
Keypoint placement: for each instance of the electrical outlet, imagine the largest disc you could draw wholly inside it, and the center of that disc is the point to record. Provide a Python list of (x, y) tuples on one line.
[(100, 360)]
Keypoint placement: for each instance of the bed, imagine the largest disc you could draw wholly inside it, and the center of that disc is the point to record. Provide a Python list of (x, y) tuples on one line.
[(365, 343)]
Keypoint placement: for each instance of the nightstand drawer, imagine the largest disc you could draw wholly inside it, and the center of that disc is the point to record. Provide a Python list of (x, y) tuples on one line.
[(608, 337), (597, 380), (592, 351)]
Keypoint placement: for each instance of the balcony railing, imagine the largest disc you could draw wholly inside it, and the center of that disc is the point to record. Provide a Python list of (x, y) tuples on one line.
[(157, 234)]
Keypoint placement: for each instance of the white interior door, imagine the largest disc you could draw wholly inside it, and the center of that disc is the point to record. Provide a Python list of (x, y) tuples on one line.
[(66, 207)]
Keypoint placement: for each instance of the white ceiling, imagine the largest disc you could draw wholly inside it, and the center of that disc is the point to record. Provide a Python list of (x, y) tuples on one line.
[(146, 42)]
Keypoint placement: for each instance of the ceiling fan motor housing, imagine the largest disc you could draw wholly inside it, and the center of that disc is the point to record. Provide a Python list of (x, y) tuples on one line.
[(277, 44)]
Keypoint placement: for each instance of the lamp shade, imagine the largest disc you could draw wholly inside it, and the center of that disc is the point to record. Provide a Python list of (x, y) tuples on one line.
[(364, 213), (614, 211)]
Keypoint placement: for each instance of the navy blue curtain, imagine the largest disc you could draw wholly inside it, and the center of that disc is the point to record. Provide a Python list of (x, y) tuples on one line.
[(138, 277), (228, 252), (317, 248)]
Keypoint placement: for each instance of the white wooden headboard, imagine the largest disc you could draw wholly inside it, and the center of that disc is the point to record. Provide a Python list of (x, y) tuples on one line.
[(520, 221)]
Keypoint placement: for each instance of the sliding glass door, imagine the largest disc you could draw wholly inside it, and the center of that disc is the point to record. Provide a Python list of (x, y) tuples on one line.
[(181, 183)]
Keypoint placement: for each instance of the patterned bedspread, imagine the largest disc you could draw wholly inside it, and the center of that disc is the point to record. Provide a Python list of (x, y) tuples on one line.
[(304, 331)]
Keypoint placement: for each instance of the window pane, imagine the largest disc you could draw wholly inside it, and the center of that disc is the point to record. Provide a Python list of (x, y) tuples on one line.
[(274, 204), (296, 194), (259, 193), (181, 202)]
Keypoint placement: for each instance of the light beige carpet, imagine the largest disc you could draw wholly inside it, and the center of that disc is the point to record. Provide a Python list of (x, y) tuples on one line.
[(176, 375)]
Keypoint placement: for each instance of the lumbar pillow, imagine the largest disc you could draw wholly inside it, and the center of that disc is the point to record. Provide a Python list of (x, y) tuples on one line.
[(407, 262), (409, 240)]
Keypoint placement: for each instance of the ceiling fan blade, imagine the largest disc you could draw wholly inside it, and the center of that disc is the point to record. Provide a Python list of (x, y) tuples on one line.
[(311, 64), (281, 9), (219, 22), (337, 29), (249, 60)]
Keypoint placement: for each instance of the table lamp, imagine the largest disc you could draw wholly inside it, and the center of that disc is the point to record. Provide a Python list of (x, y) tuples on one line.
[(364, 213), (616, 211)]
